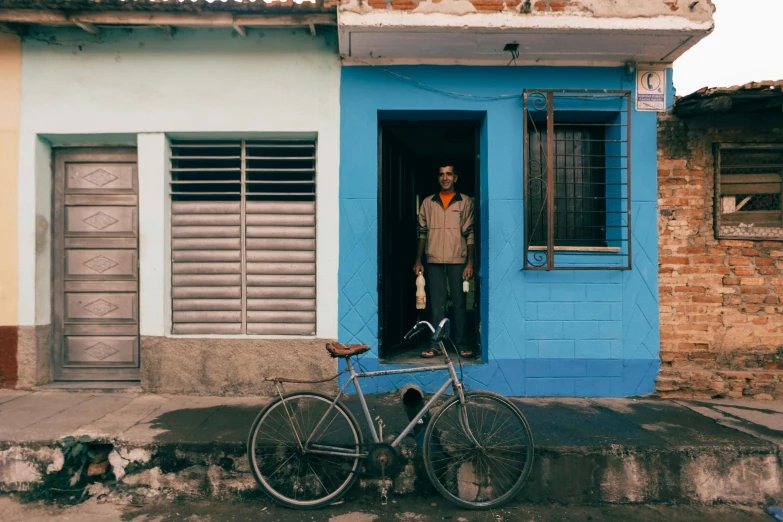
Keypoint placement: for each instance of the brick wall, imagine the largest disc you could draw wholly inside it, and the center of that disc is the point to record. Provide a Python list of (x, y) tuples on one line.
[(721, 302)]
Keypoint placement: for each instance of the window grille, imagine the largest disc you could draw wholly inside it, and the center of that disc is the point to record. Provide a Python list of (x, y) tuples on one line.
[(749, 191), (577, 192), (243, 237)]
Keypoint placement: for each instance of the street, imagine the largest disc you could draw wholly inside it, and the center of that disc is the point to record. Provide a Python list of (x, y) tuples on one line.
[(408, 508)]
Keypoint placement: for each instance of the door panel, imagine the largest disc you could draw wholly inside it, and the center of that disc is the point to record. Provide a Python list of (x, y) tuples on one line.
[(102, 264), (101, 350), (100, 307), (100, 220), (92, 177), (96, 300)]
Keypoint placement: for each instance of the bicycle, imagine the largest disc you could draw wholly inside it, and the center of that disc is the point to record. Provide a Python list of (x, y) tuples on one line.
[(305, 448)]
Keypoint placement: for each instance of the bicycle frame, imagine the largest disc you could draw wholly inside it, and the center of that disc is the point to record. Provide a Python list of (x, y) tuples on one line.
[(452, 381)]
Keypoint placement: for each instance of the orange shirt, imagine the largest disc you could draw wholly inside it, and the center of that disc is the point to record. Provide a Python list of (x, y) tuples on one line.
[(446, 199)]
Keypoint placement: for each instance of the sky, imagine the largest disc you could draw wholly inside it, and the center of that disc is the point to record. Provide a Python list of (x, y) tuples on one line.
[(744, 47)]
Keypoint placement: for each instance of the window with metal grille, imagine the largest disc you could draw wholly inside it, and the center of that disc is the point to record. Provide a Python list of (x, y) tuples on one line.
[(577, 180), (749, 191), (243, 237)]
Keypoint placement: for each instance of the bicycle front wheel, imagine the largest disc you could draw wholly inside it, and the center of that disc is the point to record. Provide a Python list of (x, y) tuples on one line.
[(303, 454), (484, 470)]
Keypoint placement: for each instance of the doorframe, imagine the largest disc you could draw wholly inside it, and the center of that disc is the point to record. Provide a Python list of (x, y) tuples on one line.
[(478, 119), (57, 273)]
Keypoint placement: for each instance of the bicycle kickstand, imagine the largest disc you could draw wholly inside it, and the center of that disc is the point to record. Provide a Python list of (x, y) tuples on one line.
[(384, 490)]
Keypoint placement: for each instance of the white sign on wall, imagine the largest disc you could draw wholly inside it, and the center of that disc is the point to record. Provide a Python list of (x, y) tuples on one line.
[(650, 90)]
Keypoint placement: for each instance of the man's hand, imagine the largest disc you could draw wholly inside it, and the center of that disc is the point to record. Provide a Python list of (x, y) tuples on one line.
[(468, 272), (418, 268)]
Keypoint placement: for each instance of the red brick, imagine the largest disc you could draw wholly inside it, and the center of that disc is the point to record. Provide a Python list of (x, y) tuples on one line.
[(488, 5), (708, 260), (768, 270), (764, 261), (673, 260), (707, 299), (692, 250), (744, 271), (735, 261), (731, 280), (736, 243), (750, 252), (690, 289)]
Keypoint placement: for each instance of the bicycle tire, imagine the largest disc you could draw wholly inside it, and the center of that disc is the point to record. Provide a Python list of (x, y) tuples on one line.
[(263, 424), (471, 481)]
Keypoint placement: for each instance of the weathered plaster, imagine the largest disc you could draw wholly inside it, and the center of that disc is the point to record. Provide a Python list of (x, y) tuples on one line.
[(440, 20), (232, 366), (610, 9), (34, 355)]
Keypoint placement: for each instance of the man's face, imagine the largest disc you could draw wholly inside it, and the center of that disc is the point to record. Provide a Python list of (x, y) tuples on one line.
[(447, 179)]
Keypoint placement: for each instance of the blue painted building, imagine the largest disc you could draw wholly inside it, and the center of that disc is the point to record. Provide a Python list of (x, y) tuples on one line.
[(564, 332), (518, 98)]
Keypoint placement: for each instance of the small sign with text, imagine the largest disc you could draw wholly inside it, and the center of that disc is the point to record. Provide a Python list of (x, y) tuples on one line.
[(650, 90)]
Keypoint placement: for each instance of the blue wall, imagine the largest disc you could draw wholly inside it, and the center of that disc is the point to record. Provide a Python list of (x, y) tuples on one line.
[(583, 333)]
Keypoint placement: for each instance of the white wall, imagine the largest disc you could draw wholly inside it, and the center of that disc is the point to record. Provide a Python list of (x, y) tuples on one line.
[(205, 82)]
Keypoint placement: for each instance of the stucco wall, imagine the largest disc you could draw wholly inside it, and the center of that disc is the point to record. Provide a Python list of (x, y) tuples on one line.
[(142, 87), (10, 100), (587, 333)]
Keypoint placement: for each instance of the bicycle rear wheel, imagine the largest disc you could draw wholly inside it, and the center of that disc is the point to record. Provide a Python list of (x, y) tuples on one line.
[(285, 465), (484, 475)]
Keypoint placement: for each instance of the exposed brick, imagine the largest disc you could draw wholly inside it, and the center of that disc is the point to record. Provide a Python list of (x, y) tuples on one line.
[(721, 313)]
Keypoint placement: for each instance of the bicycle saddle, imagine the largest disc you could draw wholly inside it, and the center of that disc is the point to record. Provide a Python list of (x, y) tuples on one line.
[(346, 350)]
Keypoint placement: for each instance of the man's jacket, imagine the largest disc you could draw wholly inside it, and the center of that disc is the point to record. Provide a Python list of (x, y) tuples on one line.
[(448, 231)]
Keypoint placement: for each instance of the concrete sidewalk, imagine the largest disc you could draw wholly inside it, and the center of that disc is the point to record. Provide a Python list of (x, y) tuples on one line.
[(587, 450)]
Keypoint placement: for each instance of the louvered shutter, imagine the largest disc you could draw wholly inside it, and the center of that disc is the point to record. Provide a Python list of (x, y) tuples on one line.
[(243, 238), (280, 237)]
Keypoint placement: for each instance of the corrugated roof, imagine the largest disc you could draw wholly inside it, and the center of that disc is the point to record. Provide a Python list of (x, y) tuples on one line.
[(751, 97), (186, 6)]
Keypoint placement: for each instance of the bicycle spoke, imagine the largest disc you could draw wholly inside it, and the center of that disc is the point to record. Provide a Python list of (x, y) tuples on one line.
[(284, 467), (483, 475)]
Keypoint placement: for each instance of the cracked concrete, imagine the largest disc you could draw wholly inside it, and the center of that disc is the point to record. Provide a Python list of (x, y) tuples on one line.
[(587, 450)]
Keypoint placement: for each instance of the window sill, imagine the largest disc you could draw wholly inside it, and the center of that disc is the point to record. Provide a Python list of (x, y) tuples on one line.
[(243, 337), (575, 249)]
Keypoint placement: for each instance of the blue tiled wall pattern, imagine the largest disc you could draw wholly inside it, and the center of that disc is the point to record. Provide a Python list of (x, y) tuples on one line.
[(567, 333)]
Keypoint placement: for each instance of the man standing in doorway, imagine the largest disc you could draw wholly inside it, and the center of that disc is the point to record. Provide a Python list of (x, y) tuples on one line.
[(446, 235)]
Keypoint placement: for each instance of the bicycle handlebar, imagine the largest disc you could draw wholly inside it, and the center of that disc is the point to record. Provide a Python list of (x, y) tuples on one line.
[(416, 329)]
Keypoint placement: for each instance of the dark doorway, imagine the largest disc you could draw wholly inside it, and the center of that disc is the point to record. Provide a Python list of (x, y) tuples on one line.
[(410, 154)]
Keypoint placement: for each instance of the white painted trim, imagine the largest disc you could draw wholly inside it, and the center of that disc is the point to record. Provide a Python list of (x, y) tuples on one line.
[(503, 22), (348, 61), (327, 243), (44, 176), (153, 153)]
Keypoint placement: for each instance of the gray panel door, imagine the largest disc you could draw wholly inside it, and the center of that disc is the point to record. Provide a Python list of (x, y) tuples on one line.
[(95, 266)]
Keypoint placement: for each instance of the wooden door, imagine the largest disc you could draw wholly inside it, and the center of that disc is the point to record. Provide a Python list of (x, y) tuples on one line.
[(398, 226), (95, 265)]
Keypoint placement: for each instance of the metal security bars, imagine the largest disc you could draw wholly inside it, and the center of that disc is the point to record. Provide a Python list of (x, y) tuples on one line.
[(243, 237), (749, 191), (577, 179)]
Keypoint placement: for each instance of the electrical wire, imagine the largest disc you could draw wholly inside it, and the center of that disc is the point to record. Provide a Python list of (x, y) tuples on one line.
[(453, 94)]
